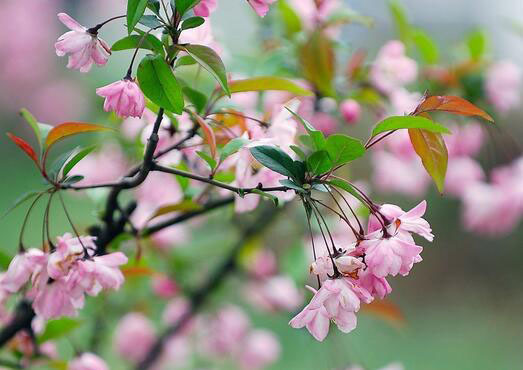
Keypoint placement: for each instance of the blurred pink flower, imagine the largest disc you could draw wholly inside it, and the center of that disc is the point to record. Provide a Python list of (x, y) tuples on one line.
[(466, 140), (134, 328), (260, 349), (462, 172), (205, 8), (392, 69), (403, 102), (84, 47), (503, 84), (261, 7), (164, 287), (275, 293), (88, 361), (350, 111), (226, 331), (124, 97), (262, 263)]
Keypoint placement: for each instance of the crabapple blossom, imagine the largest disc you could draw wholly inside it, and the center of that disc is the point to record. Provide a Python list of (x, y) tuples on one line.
[(462, 172), (21, 267), (350, 110), (88, 361), (227, 330), (275, 293), (261, 7), (503, 84), (205, 7), (124, 97), (83, 45), (260, 349), (134, 328), (163, 286)]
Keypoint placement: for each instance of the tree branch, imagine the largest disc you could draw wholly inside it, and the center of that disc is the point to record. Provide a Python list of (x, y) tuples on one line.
[(199, 297)]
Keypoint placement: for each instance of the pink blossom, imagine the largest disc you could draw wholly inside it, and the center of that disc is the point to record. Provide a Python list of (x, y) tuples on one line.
[(202, 35), (88, 361), (275, 293), (503, 84), (392, 68), (134, 328), (390, 255), (84, 47), (322, 267), (261, 7), (403, 102), (348, 265), (260, 348), (124, 97), (164, 287), (350, 111), (175, 309), (466, 140), (462, 172), (227, 330), (376, 286), (54, 299), (20, 269), (261, 263), (69, 250), (205, 8), (100, 272)]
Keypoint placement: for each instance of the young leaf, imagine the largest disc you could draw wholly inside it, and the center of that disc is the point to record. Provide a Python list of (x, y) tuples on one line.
[(77, 158), (208, 134), (343, 149), (58, 328), (198, 99), (401, 21), (266, 84), (183, 206), (22, 144), (207, 158), (185, 60), (400, 122), (31, 120), (426, 46), (318, 63), (72, 180), (292, 185), (290, 19), (275, 159), (477, 44), (319, 162), (192, 22), (344, 185), (59, 162), (266, 195), (450, 104), (149, 42), (299, 152), (19, 201), (210, 61), (158, 83), (67, 129), (182, 6), (317, 137), (232, 147), (135, 10), (432, 150), (150, 21)]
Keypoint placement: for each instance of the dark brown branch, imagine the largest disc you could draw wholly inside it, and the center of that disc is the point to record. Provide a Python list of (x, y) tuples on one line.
[(199, 297)]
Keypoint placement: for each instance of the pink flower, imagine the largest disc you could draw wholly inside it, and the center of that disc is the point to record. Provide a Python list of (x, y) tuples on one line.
[(466, 140), (276, 293), (392, 68), (322, 267), (164, 287), (88, 361), (348, 264), (227, 330), (376, 286), (84, 47), (124, 97), (503, 85), (134, 328), (205, 8), (350, 110), (260, 349), (101, 272), (261, 7), (54, 299), (21, 268), (262, 263), (462, 172), (68, 251), (390, 255)]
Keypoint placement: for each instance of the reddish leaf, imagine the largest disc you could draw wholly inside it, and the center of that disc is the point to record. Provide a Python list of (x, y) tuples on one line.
[(451, 104), (387, 311), (68, 129), (208, 134), (135, 271), (22, 144), (432, 150), (318, 62), (183, 206)]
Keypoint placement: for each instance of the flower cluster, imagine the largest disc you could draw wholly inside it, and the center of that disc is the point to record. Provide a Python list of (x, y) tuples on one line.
[(357, 274), (61, 279)]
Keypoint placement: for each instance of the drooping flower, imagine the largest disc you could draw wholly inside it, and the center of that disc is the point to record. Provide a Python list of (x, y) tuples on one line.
[(205, 8), (88, 361), (69, 250), (21, 268), (124, 97), (261, 7), (84, 47)]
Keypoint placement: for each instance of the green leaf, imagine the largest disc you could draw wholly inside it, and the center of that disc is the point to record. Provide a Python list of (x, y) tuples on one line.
[(31, 120), (135, 10), (401, 122), (77, 158), (477, 44), (182, 6), (21, 200), (317, 59), (197, 98), (154, 6), (58, 328), (72, 180), (210, 61), (266, 195), (276, 160), (344, 185), (192, 22), (207, 158), (59, 162), (266, 84), (183, 206), (401, 21), (343, 149), (158, 83), (150, 21), (225, 176), (290, 18), (150, 42), (232, 147), (292, 185), (432, 150), (299, 152), (317, 137), (426, 46), (319, 162), (185, 60)]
